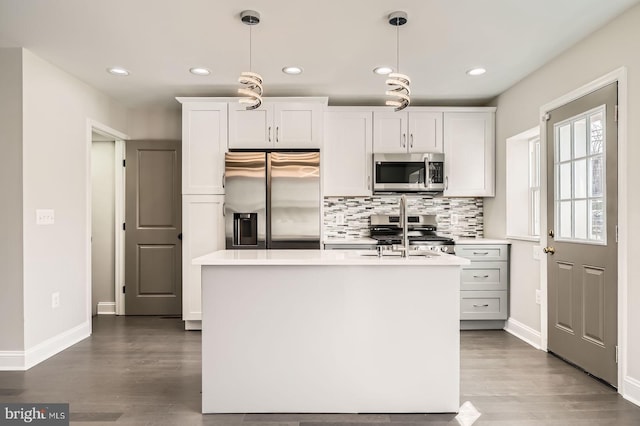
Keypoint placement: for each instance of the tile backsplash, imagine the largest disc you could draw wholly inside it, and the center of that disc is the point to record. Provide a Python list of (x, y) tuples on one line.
[(348, 217)]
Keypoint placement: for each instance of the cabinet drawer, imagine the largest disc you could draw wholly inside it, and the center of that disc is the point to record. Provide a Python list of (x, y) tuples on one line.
[(483, 305), (484, 276), (483, 252)]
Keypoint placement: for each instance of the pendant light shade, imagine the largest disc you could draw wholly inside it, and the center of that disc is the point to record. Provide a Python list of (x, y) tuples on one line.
[(252, 82), (399, 90)]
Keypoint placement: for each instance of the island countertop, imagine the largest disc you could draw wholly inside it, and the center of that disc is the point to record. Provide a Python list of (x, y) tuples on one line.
[(325, 257)]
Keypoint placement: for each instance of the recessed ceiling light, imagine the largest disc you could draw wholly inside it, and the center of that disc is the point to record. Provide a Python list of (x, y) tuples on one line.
[(382, 70), (117, 71), (292, 70), (476, 71), (199, 71)]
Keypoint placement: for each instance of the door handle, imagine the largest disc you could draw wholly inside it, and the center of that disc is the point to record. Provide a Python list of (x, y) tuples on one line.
[(269, 133), (404, 140), (277, 134), (224, 179), (549, 250), (411, 144), (180, 236), (446, 183)]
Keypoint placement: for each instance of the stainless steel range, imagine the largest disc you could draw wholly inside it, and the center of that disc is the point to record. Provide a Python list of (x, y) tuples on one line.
[(387, 230)]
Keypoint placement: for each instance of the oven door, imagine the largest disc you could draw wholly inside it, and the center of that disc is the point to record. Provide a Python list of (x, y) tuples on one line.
[(399, 173)]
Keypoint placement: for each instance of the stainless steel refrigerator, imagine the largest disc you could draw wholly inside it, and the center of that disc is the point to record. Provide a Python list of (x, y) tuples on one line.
[(272, 200)]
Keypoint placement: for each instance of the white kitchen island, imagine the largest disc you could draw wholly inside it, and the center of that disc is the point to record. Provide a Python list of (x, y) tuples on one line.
[(313, 331)]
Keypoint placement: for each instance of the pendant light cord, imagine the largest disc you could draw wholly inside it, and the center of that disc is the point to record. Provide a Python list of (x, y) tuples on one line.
[(397, 47), (250, 53)]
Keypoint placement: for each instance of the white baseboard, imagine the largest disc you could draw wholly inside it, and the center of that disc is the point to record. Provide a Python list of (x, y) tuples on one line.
[(524, 333), (631, 390), (192, 325), (106, 308), (11, 360), (24, 360)]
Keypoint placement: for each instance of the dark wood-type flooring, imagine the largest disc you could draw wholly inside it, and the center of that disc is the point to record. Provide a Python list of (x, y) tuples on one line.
[(146, 371)]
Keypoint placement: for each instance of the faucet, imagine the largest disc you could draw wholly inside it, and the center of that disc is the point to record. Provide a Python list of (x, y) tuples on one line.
[(405, 225)]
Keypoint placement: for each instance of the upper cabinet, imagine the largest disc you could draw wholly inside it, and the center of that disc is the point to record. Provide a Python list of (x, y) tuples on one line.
[(276, 125), (346, 153), (469, 151), (204, 142), (407, 131)]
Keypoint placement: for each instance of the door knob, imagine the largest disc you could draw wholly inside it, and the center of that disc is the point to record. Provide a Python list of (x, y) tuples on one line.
[(549, 250)]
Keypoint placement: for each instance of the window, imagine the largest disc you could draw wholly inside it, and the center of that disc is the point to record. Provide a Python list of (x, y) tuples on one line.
[(523, 185), (580, 178)]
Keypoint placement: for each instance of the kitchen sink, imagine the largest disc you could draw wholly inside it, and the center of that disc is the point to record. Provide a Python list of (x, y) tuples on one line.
[(396, 254)]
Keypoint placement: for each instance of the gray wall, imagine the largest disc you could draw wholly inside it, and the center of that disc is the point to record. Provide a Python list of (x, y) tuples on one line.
[(102, 223), (11, 302), (615, 45), (56, 155)]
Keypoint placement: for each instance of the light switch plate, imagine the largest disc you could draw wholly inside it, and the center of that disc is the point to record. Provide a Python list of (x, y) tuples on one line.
[(454, 219), (339, 218), (537, 252), (45, 217)]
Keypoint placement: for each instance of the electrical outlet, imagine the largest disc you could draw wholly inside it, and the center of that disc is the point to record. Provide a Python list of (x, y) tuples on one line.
[(538, 295), (339, 218), (55, 300), (454, 219), (45, 217)]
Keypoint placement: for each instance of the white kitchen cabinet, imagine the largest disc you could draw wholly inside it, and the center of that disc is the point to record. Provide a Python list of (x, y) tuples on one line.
[(469, 151), (202, 233), (276, 125), (484, 286), (407, 131), (204, 142), (346, 154)]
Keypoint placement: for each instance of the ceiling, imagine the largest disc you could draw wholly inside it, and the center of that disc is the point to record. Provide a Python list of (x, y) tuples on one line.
[(336, 42)]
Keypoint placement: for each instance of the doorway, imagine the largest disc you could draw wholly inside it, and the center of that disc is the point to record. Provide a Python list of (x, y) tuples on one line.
[(582, 226), (106, 213)]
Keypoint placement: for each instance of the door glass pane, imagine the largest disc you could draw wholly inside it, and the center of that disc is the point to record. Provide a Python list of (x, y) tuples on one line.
[(596, 183), (565, 219), (565, 142), (580, 219), (597, 133), (596, 224), (565, 181), (580, 138), (580, 179)]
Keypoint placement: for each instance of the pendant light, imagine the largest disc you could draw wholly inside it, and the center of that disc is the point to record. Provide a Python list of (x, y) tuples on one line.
[(252, 81), (398, 83)]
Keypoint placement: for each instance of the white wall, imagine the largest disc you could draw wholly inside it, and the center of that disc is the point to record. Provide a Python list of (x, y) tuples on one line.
[(11, 302), (615, 45), (155, 123), (56, 175), (103, 190)]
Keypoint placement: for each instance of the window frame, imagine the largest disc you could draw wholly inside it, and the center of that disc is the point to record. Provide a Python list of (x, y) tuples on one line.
[(523, 153)]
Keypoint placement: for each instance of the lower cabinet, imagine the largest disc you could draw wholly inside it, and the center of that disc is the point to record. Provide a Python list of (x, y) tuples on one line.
[(484, 286), (202, 233)]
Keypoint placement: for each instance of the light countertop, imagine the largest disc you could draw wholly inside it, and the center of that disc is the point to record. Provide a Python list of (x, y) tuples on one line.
[(474, 241), (324, 257)]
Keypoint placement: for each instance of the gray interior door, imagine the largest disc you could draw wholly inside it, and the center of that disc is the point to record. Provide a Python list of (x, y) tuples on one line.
[(153, 249), (582, 221)]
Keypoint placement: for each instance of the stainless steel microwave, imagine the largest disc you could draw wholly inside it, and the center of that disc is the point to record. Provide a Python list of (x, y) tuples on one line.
[(408, 172)]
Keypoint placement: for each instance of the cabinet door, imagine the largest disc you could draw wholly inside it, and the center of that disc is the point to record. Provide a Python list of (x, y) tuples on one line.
[(389, 132), (250, 128), (346, 156), (202, 233), (425, 131), (297, 125), (204, 142), (469, 146)]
